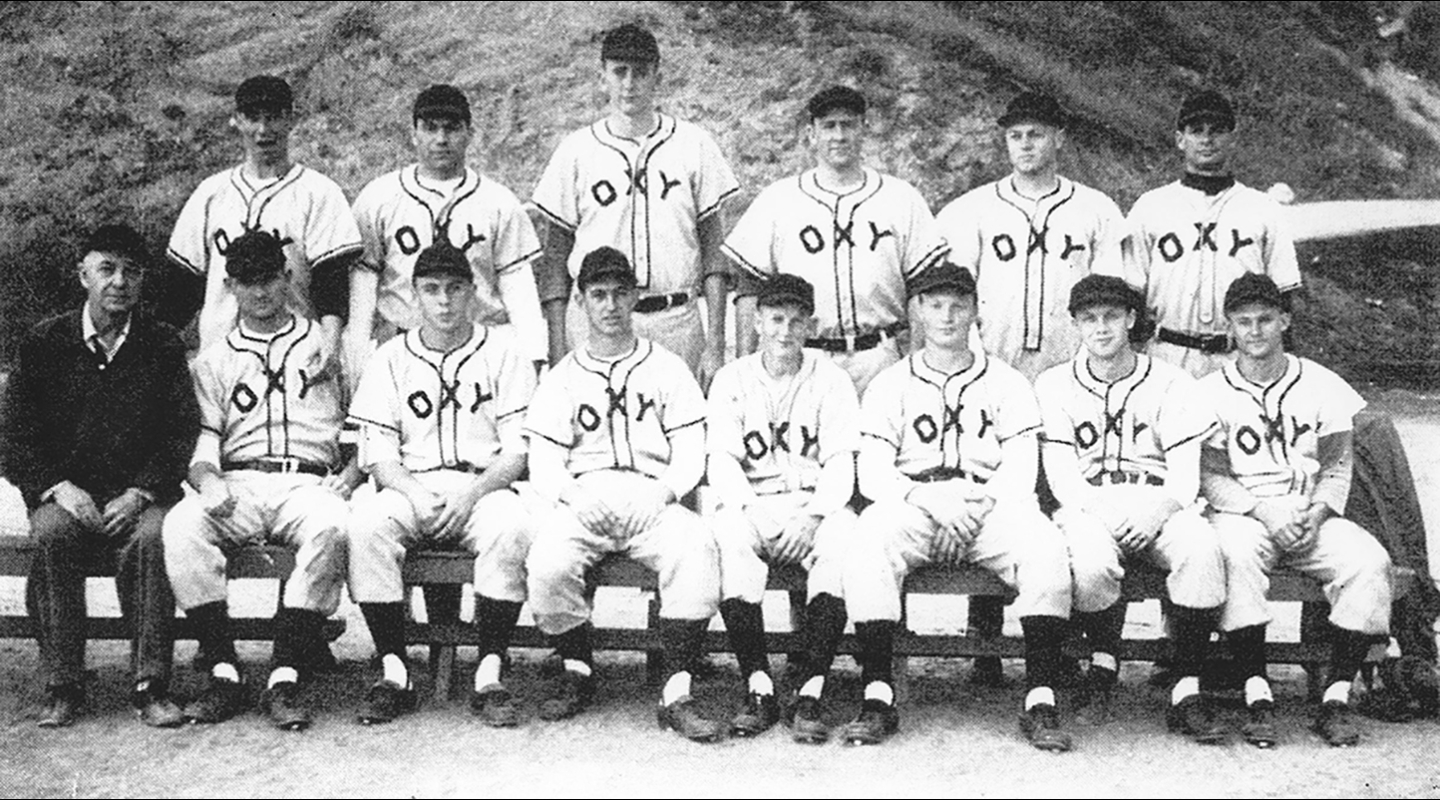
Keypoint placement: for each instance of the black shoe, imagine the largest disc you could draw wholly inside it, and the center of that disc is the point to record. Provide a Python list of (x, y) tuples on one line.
[(62, 706), (281, 703), (1041, 725), (760, 714), (567, 692), (154, 707), (221, 700), (496, 706), (682, 717), (807, 723), (385, 702), (877, 721), (1192, 716), (1336, 724), (1260, 728), (1093, 700)]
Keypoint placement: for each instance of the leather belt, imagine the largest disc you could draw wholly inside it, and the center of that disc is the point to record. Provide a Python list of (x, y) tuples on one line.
[(941, 474), (659, 302), (854, 344), (1213, 344), (277, 464), (1116, 476), (462, 466)]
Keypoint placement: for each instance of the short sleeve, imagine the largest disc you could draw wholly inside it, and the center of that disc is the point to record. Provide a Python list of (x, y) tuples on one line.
[(211, 397), (1339, 403), (1185, 413), (370, 226), (724, 414), (882, 411), (549, 416), (1058, 425), (516, 242), (1015, 406), (189, 239), (684, 402), (374, 410), (1280, 261), (925, 246), (555, 194), (751, 243), (330, 230), (714, 181), (961, 229), (516, 389), (839, 413), (1108, 246)]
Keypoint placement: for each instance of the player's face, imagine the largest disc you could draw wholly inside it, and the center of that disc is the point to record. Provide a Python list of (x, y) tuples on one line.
[(265, 135), (263, 301), (608, 305), (112, 282), (837, 138), (783, 329), (631, 85), (1207, 146), (444, 302), (440, 143), (947, 317), (1104, 329), (1033, 147), (1259, 330)]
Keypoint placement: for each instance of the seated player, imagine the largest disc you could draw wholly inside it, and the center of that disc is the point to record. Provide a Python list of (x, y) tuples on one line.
[(1277, 473), (948, 455), (439, 411), (264, 469), (1122, 454), (783, 430), (617, 437)]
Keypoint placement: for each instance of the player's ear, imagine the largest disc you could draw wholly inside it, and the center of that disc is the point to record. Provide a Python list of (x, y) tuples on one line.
[(1130, 319)]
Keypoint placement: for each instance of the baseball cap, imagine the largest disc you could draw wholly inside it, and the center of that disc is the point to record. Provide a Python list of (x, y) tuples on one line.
[(1103, 290), (442, 260), (944, 275), (119, 240), (786, 289), (605, 263), (1032, 107), (630, 42), (254, 257), (264, 93), (1254, 288), (835, 97), (1206, 105), (441, 101)]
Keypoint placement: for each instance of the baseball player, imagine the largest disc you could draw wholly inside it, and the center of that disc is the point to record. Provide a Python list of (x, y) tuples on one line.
[(1029, 237), (1122, 453), (651, 186), (783, 432), (402, 212), (1190, 239), (264, 469), (858, 236), (617, 436), (303, 209), (440, 410), (948, 454), (1277, 473)]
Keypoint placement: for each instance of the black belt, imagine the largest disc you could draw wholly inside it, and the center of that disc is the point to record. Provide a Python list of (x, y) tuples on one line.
[(941, 474), (1214, 344), (659, 302), (277, 465), (462, 466), (854, 344), (1116, 476)]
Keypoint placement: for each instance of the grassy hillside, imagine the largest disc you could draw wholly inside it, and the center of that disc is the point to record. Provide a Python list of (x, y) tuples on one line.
[(119, 109)]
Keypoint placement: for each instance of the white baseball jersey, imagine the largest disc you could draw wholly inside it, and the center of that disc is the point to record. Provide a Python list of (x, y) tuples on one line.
[(1127, 426), (1187, 247), (857, 248), (259, 398), (782, 431), (430, 410), (400, 213), (1026, 255), (305, 210), (617, 414), (1272, 433), (643, 198)]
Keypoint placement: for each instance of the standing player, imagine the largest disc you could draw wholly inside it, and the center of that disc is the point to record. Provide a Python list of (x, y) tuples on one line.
[(440, 411), (1190, 239), (405, 211), (783, 432), (301, 208), (1122, 454), (1029, 237), (948, 454), (617, 437), (1277, 473), (264, 469), (858, 236), (651, 186)]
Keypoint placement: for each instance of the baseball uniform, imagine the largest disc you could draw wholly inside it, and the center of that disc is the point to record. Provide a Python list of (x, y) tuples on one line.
[(400, 213), (305, 210), (445, 417), (1026, 254), (1185, 249), (857, 248), (645, 198)]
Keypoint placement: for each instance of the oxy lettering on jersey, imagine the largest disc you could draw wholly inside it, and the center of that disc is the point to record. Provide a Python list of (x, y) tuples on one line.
[(605, 193), (757, 445), (1004, 248), (1171, 247), (245, 399), (1249, 438), (927, 429), (617, 402), (449, 396), (1087, 435), (814, 241)]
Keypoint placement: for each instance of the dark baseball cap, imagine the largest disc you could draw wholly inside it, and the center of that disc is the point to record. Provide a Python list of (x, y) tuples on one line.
[(605, 263), (786, 289), (1104, 290), (254, 257), (441, 101), (830, 99), (1254, 288), (944, 275), (264, 93), (1205, 106), (630, 42), (119, 240), (1033, 107), (442, 260)]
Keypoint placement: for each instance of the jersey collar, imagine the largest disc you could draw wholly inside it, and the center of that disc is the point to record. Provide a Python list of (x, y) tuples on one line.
[(664, 129), (1080, 368), (1261, 393), (811, 186), (933, 376), (478, 335), (1064, 190), (605, 367)]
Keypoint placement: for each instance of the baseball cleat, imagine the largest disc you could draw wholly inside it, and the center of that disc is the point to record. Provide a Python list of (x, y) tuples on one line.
[(385, 702), (1093, 700), (567, 693), (682, 717), (1192, 716), (156, 709), (495, 706), (1336, 724), (62, 706), (1260, 729), (877, 722), (1041, 725), (220, 701), (282, 704), (807, 723), (760, 714)]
